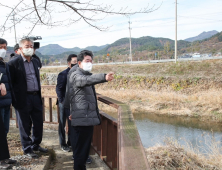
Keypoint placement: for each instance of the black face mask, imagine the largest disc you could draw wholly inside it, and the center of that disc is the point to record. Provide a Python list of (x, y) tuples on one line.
[(73, 65)]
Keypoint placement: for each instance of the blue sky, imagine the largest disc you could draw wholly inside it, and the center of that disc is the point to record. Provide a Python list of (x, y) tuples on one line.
[(194, 17)]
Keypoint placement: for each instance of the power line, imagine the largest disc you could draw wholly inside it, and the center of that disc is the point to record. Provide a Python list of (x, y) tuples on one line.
[(13, 20), (198, 18)]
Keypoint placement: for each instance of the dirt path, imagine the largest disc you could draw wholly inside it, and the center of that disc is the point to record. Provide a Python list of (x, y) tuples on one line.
[(64, 159)]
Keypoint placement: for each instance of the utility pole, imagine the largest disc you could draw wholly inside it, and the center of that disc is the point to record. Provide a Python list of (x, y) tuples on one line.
[(176, 32), (131, 58), (13, 19)]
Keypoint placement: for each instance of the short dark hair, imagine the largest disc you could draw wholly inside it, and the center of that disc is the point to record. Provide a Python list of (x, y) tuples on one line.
[(3, 41), (84, 53), (70, 57), (16, 47)]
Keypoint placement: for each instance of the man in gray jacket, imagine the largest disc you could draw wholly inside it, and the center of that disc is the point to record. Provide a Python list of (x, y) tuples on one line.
[(84, 108)]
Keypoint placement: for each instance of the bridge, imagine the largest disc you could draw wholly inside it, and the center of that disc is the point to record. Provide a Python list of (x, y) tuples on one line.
[(116, 141)]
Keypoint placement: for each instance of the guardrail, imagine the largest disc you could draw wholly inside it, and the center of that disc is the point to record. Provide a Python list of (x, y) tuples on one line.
[(150, 61), (117, 142), (131, 154)]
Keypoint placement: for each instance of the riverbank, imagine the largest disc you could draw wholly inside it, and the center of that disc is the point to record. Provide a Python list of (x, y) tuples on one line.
[(205, 105), (191, 89)]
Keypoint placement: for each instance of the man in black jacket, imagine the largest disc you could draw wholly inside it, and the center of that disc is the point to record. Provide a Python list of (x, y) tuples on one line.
[(84, 108), (25, 78), (64, 113)]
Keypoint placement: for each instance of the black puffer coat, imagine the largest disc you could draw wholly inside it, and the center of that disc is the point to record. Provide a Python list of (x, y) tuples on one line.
[(7, 99), (84, 108)]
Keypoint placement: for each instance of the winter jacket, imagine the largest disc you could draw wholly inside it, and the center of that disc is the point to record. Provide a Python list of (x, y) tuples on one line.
[(7, 99), (61, 84), (38, 59), (84, 108), (19, 82)]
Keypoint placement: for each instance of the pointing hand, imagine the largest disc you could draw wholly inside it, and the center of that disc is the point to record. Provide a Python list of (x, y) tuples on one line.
[(109, 76)]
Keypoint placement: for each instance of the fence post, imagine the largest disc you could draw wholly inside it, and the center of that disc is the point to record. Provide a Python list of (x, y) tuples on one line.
[(50, 109)]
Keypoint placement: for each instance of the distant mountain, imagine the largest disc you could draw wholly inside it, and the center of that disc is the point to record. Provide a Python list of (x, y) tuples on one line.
[(202, 36), (211, 45), (52, 49), (55, 49)]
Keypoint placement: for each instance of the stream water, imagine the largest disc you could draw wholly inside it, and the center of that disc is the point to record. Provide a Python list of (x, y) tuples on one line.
[(189, 132)]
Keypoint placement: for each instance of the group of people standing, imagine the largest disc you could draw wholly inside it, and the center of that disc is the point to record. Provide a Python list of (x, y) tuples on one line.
[(20, 81), (20, 85)]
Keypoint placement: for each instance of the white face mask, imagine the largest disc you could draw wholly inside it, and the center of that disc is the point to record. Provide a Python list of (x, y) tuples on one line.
[(2, 53), (28, 51), (87, 66)]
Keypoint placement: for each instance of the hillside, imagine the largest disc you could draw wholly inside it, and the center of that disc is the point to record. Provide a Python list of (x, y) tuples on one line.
[(211, 45), (140, 44), (202, 36), (143, 48)]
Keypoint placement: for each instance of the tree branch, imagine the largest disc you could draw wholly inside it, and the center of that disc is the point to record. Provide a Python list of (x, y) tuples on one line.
[(40, 19), (75, 10)]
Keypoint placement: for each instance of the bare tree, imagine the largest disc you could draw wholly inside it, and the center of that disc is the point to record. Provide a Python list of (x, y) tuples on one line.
[(46, 12)]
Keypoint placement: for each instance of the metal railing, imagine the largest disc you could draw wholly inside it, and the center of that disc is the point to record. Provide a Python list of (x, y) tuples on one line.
[(117, 142), (104, 141)]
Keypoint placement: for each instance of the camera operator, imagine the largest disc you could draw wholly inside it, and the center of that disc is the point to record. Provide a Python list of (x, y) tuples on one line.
[(37, 58), (17, 52)]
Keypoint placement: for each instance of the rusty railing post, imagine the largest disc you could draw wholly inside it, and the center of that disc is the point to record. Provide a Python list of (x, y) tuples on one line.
[(43, 108)]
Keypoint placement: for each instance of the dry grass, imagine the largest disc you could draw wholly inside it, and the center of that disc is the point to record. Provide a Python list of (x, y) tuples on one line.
[(206, 104), (206, 69), (176, 157)]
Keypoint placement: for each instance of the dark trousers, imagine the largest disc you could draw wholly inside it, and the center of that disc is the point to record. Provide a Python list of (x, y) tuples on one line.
[(5, 113), (83, 137), (4, 153), (64, 115), (30, 117)]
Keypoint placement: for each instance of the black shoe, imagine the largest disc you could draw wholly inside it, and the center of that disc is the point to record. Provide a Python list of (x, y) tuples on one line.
[(5, 166), (89, 160), (40, 149), (65, 148), (31, 154), (10, 161)]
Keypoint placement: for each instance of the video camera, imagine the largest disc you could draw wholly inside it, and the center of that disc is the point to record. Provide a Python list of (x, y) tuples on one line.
[(36, 44)]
